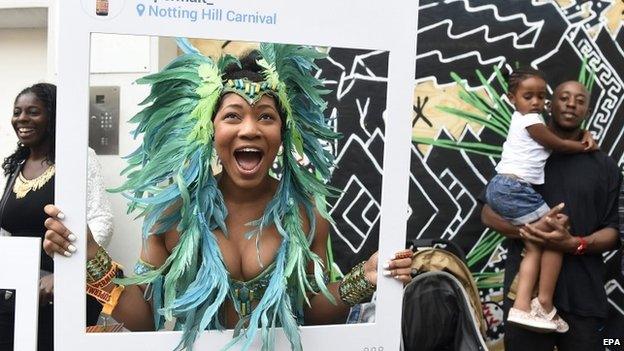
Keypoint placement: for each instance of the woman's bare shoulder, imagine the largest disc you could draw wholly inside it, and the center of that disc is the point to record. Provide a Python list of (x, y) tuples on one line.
[(157, 248)]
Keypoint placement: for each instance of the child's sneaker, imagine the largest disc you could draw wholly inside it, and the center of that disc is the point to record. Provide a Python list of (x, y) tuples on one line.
[(531, 320), (537, 308)]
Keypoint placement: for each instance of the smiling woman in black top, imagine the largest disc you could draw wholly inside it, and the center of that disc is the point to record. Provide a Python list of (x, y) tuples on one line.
[(29, 173)]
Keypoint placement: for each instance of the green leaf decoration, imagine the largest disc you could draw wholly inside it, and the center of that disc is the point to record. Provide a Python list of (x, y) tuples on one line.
[(476, 148)]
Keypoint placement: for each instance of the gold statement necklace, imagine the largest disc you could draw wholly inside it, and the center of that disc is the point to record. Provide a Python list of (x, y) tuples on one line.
[(23, 186)]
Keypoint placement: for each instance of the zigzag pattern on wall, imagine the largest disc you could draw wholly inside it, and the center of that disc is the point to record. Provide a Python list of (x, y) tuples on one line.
[(358, 80)]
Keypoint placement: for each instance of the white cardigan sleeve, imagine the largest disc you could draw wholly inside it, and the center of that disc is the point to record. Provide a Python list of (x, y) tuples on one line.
[(99, 212)]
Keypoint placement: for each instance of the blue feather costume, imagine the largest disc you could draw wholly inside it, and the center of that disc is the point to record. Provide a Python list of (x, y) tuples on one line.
[(170, 181)]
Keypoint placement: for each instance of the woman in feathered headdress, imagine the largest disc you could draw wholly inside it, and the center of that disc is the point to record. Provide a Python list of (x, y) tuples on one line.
[(241, 249)]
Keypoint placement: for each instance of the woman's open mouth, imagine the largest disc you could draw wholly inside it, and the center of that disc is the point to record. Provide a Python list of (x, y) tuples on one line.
[(248, 159), (25, 132)]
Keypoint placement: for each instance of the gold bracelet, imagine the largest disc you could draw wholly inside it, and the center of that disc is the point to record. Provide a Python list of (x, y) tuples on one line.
[(354, 288), (98, 266), (107, 278)]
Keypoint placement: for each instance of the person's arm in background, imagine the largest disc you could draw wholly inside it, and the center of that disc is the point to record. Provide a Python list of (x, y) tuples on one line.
[(604, 239), (494, 221), (99, 212)]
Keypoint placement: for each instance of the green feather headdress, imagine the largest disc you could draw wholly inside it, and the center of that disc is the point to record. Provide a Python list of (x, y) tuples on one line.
[(170, 181)]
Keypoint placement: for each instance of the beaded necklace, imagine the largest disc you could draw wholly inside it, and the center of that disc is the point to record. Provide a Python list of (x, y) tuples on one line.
[(23, 186)]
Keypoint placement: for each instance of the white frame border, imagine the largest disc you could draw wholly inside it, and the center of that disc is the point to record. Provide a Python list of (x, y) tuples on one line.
[(19, 259), (368, 24)]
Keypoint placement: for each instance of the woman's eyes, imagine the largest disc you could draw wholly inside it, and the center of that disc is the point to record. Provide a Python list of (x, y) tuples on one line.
[(231, 116), (266, 117), (30, 112), (261, 117)]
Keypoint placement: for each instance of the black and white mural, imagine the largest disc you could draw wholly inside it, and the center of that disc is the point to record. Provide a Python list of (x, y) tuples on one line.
[(357, 79), (457, 38)]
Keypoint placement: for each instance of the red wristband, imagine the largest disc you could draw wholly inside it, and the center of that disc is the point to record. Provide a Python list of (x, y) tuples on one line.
[(582, 245)]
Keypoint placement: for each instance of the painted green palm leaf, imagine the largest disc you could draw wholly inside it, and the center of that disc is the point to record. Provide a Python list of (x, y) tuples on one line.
[(489, 280), (493, 114), (484, 248), (477, 148), (587, 75), (493, 125)]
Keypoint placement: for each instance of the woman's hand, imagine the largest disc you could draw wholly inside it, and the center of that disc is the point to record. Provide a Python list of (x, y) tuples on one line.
[(59, 239), (398, 267)]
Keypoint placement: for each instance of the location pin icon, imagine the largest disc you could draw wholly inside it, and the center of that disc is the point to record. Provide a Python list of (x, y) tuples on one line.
[(140, 9)]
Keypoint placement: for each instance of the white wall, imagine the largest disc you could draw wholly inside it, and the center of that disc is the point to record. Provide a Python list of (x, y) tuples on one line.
[(126, 243), (23, 62)]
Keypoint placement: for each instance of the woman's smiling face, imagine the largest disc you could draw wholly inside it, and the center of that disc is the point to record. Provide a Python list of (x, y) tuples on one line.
[(30, 120), (247, 138)]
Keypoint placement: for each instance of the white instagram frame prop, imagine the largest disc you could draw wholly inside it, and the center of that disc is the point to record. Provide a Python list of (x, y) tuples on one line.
[(19, 270), (366, 24)]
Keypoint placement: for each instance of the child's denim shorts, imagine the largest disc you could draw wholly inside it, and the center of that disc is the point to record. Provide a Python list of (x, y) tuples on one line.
[(515, 200)]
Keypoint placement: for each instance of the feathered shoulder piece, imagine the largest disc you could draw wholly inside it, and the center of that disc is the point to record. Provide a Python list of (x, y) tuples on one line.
[(170, 182)]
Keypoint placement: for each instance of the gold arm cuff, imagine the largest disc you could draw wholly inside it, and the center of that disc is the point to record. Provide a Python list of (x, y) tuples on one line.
[(354, 288)]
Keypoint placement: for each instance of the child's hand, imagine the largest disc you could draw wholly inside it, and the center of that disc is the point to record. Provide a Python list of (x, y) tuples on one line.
[(589, 142)]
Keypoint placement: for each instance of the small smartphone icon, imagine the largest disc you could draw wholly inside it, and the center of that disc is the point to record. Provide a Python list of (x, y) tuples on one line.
[(101, 7)]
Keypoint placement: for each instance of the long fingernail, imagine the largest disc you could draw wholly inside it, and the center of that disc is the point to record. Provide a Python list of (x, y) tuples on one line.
[(71, 237), (71, 248), (386, 265), (60, 215), (67, 253), (403, 254), (387, 273)]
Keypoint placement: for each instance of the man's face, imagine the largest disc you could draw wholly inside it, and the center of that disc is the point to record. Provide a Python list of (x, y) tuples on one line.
[(570, 105)]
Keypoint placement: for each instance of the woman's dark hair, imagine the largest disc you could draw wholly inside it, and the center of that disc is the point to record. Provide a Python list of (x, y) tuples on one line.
[(250, 70), (521, 73), (46, 93)]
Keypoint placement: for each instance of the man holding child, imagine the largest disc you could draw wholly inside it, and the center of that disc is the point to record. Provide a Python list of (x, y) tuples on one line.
[(588, 184)]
